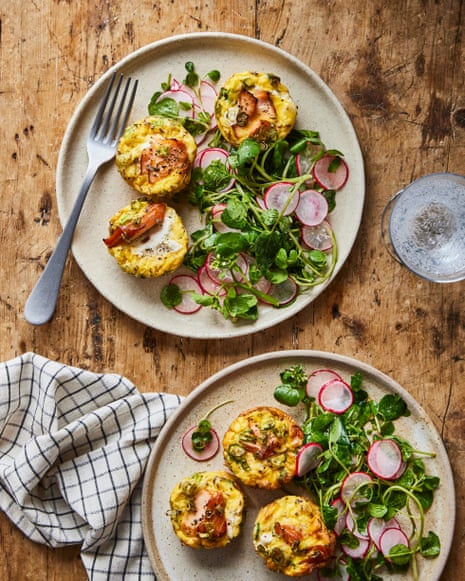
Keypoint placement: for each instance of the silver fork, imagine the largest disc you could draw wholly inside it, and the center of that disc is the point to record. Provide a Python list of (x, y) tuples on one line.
[(106, 130)]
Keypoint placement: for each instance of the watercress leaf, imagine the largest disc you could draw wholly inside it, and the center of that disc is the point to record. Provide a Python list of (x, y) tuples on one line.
[(277, 276), (425, 498), (377, 510), (204, 426), (241, 306), (165, 107), (235, 214), (294, 375), (214, 75), (266, 248), (288, 395), (171, 295), (400, 555), (216, 176), (330, 515), (269, 217), (356, 381), (430, 546), (431, 482), (230, 243), (281, 258), (391, 407), (248, 151)]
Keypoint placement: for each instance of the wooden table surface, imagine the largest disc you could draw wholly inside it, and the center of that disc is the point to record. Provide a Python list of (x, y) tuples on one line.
[(396, 67)]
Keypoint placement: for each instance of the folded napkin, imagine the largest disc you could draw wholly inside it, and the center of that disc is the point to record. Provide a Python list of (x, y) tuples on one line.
[(73, 448)]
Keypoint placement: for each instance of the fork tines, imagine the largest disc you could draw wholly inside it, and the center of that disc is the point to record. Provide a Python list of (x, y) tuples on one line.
[(109, 123)]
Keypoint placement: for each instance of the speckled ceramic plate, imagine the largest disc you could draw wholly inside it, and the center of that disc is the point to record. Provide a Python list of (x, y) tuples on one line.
[(319, 109), (251, 383)]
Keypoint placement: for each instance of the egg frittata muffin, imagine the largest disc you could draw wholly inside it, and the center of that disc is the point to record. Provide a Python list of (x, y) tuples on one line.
[(155, 156), (206, 509), (254, 105), (147, 239), (260, 447), (291, 537)]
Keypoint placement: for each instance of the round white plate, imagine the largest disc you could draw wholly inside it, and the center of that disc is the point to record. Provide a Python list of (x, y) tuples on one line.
[(318, 109), (249, 383)]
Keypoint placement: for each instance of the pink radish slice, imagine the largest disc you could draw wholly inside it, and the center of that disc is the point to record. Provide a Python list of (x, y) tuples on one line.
[(260, 203), (281, 197), (224, 276), (390, 538), (377, 526), (318, 237), (317, 379), (336, 396), (284, 292), (208, 285), (187, 284), (384, 458), (208, 452), (205, 157), (340, 506), (180, 96), (330, 180), (208, 95), (352, 526), (308, 458), (358, 552), (354, 487), (312, 208)]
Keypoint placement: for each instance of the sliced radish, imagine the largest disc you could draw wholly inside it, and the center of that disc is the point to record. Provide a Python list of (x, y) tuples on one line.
[(225, 276), (208, 95), (390, 538), (336, 396), (358, 552), (308, 458), (384, 458), (354, 488), (312, 208), (208, 452), (331, 172), (319, 237), (340, 506), (377, 526), (317, 379), (284, 292), (187, 285), (282, 197), (208, 285), (352, 526), (205, 157)]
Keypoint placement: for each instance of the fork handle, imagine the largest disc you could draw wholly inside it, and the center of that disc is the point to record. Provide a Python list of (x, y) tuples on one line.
[(42, 301)]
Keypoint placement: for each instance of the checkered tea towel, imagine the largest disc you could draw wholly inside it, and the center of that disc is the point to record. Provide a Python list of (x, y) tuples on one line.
[(73, 448)]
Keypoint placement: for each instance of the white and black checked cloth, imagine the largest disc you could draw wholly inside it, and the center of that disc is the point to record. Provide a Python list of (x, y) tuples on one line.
[(73, 448)]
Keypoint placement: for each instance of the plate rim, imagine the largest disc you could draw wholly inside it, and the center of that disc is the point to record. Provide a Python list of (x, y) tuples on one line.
[(229, 330), (308, 354)]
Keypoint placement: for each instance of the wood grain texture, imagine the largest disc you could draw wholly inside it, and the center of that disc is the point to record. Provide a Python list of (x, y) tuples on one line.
[(397, 68)]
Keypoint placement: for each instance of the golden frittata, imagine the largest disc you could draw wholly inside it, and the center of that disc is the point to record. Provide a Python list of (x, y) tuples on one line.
[(147, 239), (291, 537), (155, 156), (255, 105), (206, 509), (260, 447)]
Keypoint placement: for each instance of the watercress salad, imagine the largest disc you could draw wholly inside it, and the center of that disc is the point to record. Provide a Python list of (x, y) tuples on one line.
[(372, 486), (266, 236)]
